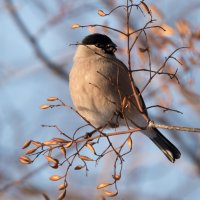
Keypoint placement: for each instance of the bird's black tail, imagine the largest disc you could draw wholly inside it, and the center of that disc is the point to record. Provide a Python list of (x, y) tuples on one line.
[(170, 151)]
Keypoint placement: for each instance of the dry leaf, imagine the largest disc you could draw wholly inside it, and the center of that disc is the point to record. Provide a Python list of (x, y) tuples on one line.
[(32, 150), (52, 99), (38, 144), (85, 158), (78, 167), (130, 142), (55, 178), (63, 186), (49, 142), (52, 160), (116, 177), (61, 195), (75, 26), (102, 185), (55, 166), (26, 144), (90, 147), (69, 144), (101, 13), (60, 140), (25, 160), (110, 194), (44, 106), (62, 149)]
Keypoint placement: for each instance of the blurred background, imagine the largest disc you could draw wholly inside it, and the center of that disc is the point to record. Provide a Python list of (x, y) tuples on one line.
[(35, 59)]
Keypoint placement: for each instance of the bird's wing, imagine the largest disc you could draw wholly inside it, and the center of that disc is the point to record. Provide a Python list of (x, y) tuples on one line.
[(139, 95)]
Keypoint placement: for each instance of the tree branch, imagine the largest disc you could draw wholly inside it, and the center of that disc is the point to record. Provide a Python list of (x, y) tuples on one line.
[(55, 67), (169, 127)]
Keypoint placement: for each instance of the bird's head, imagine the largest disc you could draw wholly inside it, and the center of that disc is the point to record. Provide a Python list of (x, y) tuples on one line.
[(100, 41)]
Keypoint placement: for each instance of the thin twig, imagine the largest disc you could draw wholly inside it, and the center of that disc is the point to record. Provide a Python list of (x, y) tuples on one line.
[(161, 68), (175, 128), (103, 26), (171, 75), (164, 108)]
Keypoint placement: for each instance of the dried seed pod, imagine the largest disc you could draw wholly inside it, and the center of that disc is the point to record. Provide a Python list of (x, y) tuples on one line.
[(36, 143), (116, 177), (102, 185), (85, 158), (90, 147), (52, 99), (26, 144), (61, 195), (60, 140), (63, 186), (75, 26), (62, 149), (49, 142), (25, 160), (44, 106), (101, 13), (55, 178), (130, 142), (52, 160), (32, 150), (55, 166), (110, 194), (69, 144), (78, 167)]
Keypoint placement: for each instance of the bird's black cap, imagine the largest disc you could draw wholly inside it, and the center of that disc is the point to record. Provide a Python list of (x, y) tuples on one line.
[(100, 40), (96, 38)]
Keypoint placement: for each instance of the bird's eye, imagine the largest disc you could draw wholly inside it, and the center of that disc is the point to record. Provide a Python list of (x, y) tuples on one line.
[(111, 48), (98, 45)]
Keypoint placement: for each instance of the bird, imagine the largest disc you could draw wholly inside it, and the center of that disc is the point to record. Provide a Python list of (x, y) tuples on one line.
[(104, 93)]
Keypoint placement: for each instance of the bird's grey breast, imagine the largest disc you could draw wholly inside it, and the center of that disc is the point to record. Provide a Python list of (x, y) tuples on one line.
[(94, 87)]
